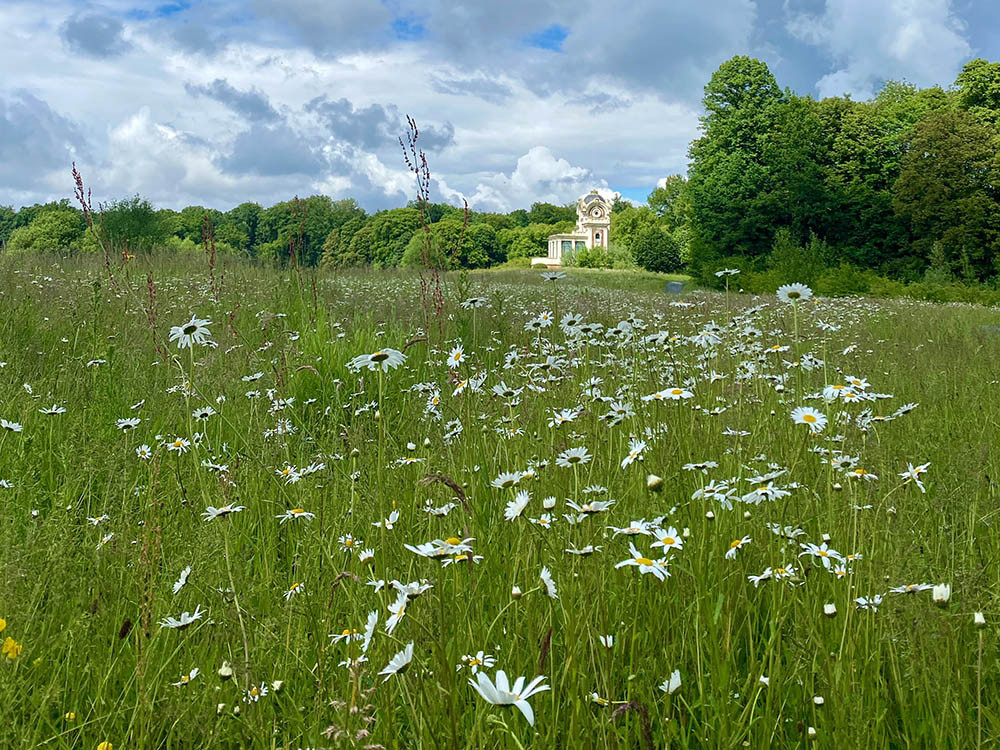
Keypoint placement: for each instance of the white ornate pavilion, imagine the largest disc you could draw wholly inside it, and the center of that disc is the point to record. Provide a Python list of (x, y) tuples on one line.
[(593, 223)]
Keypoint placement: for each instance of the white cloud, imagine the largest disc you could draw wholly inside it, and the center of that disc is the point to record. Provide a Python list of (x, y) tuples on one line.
[(538, 176), (922, 41)]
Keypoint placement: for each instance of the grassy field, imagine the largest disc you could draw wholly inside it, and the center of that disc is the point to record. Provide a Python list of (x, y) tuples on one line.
[(339, 550)]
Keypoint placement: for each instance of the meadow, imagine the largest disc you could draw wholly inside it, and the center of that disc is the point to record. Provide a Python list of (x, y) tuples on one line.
[(243, 507)]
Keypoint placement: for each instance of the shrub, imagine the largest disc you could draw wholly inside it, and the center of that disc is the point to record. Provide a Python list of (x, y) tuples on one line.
[(655, 249), (844, 281)]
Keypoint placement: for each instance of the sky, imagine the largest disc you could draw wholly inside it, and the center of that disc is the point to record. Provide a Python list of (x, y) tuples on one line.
[(218, 102)]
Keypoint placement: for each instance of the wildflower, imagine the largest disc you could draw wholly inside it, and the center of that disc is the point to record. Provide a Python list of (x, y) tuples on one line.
[(550, 585), (870, 602), (912, 474), (606, 640), (794, 293), (504, 694), (127, 424), (211, 512), (475, 661), (516, 506), (823, 552), (288, 515), (383, 359), (10, 426), (182, 580), (862, 474), (911, 588), (654, 483), (105, 746), (294, 590), (572, 457), (645, 564), (635, 450), (456, 357), (255, 693), (195, 331), (186, 678), (348, 543), (203, 413), (594, 506), (506, 480), (389, 522), (830, 610), (3, 624), (735, 546), (642, 526), (399, 663), (808, 416), (978, 620), (11, 648), (53, 410), (186, 618), (397, 610), (673, 684), (669, 539), (179, 445)]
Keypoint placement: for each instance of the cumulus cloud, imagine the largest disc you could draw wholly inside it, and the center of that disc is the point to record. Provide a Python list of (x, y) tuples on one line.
[(480, 85), (332, 26), (375, 126), (923, 41), (252, 105), (34, 141), (538, 176), (272, 150), (95, 35)]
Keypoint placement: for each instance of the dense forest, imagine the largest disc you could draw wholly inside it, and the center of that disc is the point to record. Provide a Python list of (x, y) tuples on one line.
[(903, 187)]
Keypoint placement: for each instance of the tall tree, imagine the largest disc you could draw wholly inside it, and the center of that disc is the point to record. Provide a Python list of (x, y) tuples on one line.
[(949, 191), (729, 179)]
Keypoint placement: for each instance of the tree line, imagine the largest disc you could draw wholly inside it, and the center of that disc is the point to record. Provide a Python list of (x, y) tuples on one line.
[(337, 233), (904, 186)]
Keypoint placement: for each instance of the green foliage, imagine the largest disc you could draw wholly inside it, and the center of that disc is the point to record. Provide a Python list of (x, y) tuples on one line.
[(53, 229), (133, 224), (547, 213), (795, 262), (383, 238), (843, 281), (452, 246), (948, 190), (655, 249)]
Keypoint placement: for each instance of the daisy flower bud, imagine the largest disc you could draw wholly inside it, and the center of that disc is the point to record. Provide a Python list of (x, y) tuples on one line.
[(746, 515), (978, 620), (515, 592), (830, 610), (941, 594), (225, 671), (654, 483), (811, 733), (818, 700), (710, 516)]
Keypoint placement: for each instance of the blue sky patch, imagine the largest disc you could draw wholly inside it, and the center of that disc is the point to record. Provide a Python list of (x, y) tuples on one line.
[(409, 28), (161, 11), (550, 38)]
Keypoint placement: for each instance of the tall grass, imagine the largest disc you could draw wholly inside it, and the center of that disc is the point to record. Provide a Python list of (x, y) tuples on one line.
[(96, 665)]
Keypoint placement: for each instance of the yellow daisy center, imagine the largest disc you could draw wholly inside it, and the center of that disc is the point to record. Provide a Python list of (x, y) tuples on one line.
[(453, 540), (644, 561), (809, 418)]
